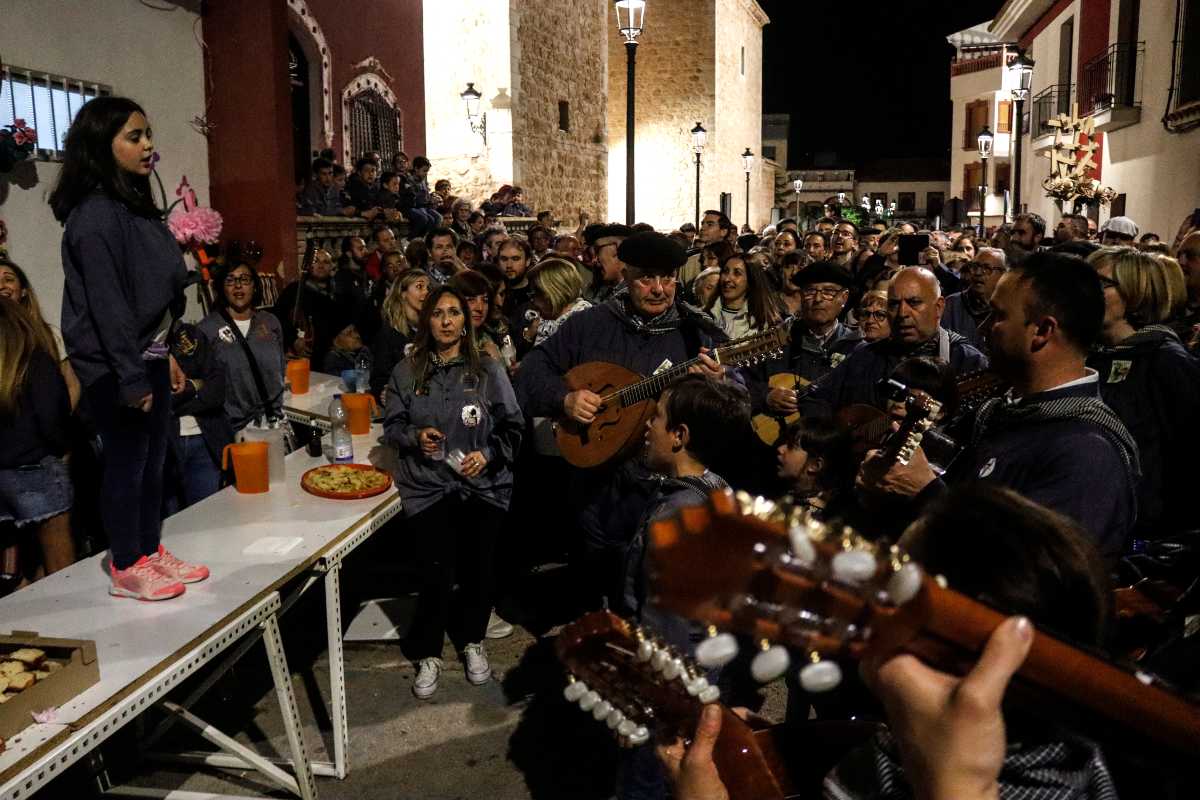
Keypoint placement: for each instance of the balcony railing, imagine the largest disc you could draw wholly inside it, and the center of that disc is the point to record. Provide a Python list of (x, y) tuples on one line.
[(1048, 104), (979, 59), (1113, 79)]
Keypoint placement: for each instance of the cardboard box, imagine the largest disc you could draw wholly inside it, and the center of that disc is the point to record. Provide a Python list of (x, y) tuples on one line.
[(80, 670)]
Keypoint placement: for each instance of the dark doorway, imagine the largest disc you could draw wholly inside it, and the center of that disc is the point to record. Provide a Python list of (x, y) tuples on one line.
[(301, 121)]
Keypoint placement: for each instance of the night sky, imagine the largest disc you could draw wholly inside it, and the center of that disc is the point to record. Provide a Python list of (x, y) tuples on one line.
[(867, 79)]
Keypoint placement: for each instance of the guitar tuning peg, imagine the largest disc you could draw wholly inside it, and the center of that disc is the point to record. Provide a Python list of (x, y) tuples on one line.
[(769, 664), (626, 728), (853, 566), (905, 582), (575, 690), (820, 676), (645, 650), (672, 669), (717, 650), (615, 718), (601, 710), (588, 701), (803, 550), (639, 736), (696, 686), (660, 658)]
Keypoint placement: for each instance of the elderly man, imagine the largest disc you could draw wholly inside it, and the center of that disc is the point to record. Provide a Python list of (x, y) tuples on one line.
[(915, 306), (645, 328), (819, 342), (966, 310)]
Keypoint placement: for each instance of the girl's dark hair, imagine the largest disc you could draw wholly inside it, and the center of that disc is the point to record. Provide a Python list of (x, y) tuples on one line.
[(496, 278), (88, 162), (1020, 557), (717, 415), (823, 438), (759, 300), (426, 346), (720, 250), (789, 232), (417, 254), (472, 284), (223, 272)]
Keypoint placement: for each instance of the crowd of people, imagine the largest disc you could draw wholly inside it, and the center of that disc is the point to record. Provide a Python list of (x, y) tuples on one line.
[(1063, 373)]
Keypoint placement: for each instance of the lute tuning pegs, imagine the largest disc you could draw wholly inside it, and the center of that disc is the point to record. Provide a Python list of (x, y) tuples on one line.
[(717, 650), (770, 663)]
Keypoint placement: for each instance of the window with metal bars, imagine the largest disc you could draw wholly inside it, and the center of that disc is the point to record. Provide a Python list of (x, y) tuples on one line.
[(374, 126), (48, 103)]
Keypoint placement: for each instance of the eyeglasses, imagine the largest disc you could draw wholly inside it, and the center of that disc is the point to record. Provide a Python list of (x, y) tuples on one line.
[(239, 280), (875, 315), (824, 294), (1108, 283)]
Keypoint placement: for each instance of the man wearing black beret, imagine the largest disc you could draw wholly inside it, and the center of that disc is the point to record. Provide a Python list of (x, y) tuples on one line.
[(645, 327), (819, 340)]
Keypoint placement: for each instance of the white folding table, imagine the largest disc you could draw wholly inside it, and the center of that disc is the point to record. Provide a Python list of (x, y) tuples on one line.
[(312, 407), (255, 545)]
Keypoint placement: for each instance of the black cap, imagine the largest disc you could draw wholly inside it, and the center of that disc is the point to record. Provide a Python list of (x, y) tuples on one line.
[(653, 253), (608, 234), (591, 232), (822, 272), (747, 241)]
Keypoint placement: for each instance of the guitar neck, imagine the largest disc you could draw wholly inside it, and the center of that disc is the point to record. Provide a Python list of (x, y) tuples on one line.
[(1057, 678), (650, 388)]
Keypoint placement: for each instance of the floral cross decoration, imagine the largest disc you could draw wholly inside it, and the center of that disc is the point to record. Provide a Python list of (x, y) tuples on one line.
[(1072, 161)]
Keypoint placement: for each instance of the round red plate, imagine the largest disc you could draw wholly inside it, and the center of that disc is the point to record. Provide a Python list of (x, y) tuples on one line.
[(348, 495)]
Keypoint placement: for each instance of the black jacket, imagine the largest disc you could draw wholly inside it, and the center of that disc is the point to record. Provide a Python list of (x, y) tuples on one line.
[(805, 356), (41, 425), (204, 395)]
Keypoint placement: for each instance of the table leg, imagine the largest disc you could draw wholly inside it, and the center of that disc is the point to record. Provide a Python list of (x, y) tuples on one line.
[(287, 707), (337, 667)]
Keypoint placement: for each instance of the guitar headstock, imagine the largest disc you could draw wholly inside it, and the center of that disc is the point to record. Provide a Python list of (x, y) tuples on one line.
[(629, 679), (755, 349), (921, 411), (781, 577)]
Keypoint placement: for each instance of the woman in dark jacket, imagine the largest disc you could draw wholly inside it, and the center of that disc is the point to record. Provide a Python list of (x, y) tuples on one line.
[(443, 401), (253, 391), (124, 286)]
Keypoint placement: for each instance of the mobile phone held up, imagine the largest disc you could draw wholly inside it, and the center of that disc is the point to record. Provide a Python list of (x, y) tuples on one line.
[(910, 247)]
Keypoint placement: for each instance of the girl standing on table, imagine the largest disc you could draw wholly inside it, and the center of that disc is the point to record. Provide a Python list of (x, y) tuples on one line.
[(248, 343), (445, 399), (124, 288), (35, 411)]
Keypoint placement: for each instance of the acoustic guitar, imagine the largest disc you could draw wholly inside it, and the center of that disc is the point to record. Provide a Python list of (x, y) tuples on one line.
[(769, 426), (627, 398), (795, 585)]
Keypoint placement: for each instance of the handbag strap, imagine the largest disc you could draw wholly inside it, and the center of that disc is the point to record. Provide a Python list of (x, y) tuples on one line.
[(255, 372)]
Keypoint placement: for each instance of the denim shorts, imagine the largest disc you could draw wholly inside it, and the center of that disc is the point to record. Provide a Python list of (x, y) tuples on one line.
[(35, 493)]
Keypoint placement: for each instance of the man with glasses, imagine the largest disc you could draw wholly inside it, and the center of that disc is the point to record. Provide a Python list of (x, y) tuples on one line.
[(966, 310), (844, 241), (819, 341), (915, 307), (645, 328)]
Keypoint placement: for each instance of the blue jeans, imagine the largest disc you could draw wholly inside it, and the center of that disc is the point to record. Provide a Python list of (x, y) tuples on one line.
[(197, 475), (134, 452), (421, 220)]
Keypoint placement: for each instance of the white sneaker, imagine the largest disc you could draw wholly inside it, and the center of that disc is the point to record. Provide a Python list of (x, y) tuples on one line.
[(427, 677), (478, 670), (498, 628)]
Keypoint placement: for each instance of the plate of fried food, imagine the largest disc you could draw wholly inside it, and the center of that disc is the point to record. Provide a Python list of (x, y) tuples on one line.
[(345, 481)]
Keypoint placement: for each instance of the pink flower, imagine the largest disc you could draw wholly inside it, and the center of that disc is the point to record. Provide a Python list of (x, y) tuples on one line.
[(20, 138), (198, 226)]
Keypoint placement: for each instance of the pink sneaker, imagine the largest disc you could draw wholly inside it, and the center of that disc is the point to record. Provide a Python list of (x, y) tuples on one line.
[(143, 581), (176, 568)]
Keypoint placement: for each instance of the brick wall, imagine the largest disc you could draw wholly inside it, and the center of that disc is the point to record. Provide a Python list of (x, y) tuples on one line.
[(738, 82), (559, 54)]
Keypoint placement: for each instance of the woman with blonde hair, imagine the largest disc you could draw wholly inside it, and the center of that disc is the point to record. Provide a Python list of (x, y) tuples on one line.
[(557, 294), (15, 285), (1151, 382), (35, 409), (1176, 283), (401, 312)]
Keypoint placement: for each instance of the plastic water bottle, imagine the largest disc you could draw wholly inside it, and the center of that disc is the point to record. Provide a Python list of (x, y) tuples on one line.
[(339, 429), (362, 368)]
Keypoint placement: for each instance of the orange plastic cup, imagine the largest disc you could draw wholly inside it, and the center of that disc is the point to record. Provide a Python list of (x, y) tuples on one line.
[(297, 374), (250, 466), (359, 410)]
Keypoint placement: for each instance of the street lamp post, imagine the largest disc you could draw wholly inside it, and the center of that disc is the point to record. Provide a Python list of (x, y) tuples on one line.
[(477, 121), (1021, 78), (985, 149), (699, 138), (797, 185), (631, 17), (748, 165)]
